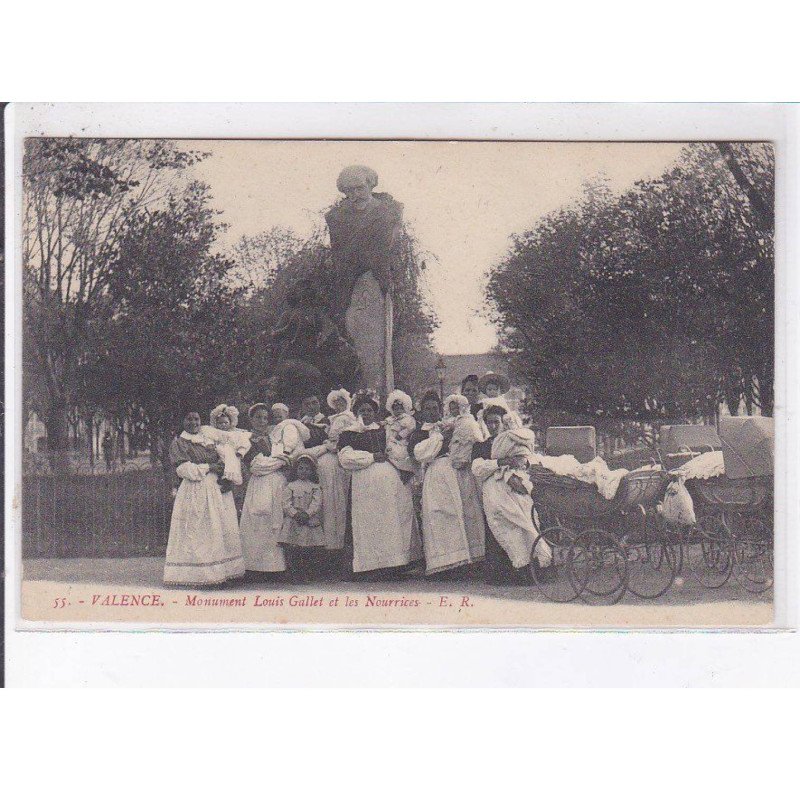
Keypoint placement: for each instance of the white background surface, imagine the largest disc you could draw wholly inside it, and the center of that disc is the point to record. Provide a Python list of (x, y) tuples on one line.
[(427, 658), (424, 51)]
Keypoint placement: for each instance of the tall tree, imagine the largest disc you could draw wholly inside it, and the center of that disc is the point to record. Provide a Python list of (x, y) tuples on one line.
[(657, 303), (78, 198), (171, 322)]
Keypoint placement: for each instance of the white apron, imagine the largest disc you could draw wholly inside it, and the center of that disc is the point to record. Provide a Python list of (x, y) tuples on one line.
[(204, 545), (262, 516), (382, 513), (335, 484), (447, 540), (509, 515), (384, 527)]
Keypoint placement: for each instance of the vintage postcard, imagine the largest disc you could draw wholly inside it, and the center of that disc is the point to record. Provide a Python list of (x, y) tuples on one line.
[(386, 383)]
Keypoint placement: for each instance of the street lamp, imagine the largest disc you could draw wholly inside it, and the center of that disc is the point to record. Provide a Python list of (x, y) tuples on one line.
[(441, 370)]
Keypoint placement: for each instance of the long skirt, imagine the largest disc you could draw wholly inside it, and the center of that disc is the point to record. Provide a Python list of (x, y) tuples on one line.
[(510, 519), (382, 514), (450, 537), (335, 484), (261, 523), (204, 545)]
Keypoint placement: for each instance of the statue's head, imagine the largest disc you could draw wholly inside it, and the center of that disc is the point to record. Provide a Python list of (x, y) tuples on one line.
[(356, 182)]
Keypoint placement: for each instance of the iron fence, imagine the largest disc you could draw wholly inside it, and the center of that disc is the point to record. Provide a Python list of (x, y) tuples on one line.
[(96, 513)]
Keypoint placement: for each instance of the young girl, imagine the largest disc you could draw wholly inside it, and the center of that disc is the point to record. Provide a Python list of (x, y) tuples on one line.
[(230, 442), (302, 533), (399, 426)]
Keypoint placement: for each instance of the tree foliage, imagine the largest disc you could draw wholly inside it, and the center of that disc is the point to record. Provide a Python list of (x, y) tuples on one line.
[(656, 303), (168, 332), (78, 198), (133, 308)]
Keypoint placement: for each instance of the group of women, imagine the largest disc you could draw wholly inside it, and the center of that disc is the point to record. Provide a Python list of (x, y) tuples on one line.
[(465, 459)]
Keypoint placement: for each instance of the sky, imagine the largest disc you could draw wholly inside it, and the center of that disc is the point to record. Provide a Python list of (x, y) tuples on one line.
[(462, 199)]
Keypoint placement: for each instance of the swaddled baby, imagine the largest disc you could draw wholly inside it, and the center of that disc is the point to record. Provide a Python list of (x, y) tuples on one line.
[(400, 424), (230, 442), (465, 431)]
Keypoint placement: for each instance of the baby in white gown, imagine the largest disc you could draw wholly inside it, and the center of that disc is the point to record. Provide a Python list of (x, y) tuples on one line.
[(400, 424), (288, 436), (230, 442)]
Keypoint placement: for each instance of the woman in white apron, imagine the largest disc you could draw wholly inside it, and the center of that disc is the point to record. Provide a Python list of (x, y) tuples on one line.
[(450, 537), (204, 546), (383, 524), (333, 478), (271, 451)]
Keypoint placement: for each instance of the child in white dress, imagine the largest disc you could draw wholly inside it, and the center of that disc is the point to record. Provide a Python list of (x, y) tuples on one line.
[(302, 535), (302, 506), (230, 442), (400, 424)]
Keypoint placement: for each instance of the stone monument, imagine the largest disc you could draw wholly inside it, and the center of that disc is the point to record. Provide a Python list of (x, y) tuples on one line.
[(307, 345), (363, 227)]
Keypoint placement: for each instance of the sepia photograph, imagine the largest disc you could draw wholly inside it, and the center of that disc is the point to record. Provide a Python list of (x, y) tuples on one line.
[(389, 383)]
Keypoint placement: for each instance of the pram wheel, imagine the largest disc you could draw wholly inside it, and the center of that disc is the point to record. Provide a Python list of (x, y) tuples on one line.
[(651, 561), (554, 583), (651, 569), (711, 558), (597, 567), (752, 552)]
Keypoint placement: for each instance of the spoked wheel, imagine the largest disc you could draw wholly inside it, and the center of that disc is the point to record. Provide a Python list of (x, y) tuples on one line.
[(597, 567), (554, 582), (752, 552), (651, 569), (711, 559), (651, 561)]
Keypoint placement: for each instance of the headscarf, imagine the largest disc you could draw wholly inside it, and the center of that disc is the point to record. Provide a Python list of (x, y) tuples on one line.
[(501, 381), (516, 442), (367, 396), (338, 393), (280, 407), (430, 394), (400, 395), (253, 408)]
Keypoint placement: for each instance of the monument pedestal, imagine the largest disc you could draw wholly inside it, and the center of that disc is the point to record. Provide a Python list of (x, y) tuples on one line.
[(368, 321)]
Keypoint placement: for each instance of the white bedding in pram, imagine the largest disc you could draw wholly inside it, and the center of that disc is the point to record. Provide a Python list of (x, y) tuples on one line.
[(595, 471), (705, 466)]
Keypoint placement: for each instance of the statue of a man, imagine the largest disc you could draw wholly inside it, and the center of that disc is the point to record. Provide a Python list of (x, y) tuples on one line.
[(363, 228)]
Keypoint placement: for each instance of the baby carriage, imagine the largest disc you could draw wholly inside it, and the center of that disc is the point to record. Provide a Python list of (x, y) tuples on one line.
[(602, 548), (681, 443), (734, 519), (732, 498)]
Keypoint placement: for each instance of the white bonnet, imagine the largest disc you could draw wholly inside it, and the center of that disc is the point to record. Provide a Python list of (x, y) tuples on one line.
[(231, 412), (463, 403), (520, 441), (336, 394), (400, 395)]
